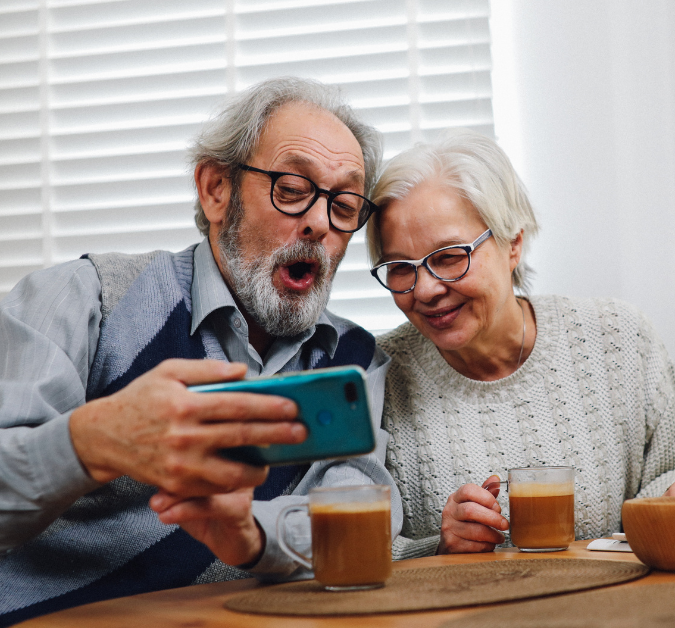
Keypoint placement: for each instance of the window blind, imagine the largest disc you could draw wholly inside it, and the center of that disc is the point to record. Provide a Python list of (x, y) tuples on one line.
[(98, 100)]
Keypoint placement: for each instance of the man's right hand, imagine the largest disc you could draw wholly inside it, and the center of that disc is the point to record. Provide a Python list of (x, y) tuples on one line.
[(471, 519), (157, 432)]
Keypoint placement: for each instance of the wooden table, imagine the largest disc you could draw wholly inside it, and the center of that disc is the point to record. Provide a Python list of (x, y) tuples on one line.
[(202, 606)]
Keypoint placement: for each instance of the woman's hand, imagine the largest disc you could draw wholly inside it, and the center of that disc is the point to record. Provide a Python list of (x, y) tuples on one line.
[(469, 519)]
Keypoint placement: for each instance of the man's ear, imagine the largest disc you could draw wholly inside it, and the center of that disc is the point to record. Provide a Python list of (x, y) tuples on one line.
[(214, 187), (516, 250)]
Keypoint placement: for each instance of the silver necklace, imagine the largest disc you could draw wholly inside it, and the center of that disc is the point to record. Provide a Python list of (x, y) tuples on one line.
[(522, 343)]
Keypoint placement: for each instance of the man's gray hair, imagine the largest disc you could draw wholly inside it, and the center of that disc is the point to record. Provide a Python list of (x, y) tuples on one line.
[(231, 136), (479, 170)]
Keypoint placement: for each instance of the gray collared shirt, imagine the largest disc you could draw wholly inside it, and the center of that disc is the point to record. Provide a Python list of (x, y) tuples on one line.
[(49, 330), (210, 294)]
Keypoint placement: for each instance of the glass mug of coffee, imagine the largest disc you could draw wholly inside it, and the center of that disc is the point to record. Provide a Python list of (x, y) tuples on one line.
[(351, 536), (541, 504)]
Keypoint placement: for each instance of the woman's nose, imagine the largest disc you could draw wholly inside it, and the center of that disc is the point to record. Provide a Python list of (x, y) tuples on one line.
[(428, 287)]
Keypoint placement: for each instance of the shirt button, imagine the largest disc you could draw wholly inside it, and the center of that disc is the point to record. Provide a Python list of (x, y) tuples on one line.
[(237, 323)]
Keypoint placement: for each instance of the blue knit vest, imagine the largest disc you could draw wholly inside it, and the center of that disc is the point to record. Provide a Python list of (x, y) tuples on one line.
[(109, 543)]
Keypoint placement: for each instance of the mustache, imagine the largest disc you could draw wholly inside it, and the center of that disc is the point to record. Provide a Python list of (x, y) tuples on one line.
[(301, 251)]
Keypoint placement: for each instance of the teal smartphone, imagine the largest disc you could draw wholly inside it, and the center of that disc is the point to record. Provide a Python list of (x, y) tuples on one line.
[(333, 405)]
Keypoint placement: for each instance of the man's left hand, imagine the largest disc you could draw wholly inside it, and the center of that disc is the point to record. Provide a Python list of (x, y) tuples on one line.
[(223, 522)]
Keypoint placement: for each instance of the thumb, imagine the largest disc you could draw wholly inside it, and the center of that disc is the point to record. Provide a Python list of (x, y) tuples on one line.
[(494, 481)]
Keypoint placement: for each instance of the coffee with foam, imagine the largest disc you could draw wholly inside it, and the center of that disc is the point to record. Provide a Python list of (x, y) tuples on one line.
[(542, 515)]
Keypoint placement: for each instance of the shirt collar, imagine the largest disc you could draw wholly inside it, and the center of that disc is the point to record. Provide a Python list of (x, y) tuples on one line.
[(210, 292)]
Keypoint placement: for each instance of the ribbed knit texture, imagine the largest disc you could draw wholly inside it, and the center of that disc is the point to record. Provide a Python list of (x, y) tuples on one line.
[(597, 393), (109, 543)]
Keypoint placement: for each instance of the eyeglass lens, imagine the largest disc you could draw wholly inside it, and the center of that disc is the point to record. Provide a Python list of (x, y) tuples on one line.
[(447, 264), (292, 195)]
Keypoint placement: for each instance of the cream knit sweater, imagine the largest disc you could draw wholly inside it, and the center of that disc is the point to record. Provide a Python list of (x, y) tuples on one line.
[(597, 393)]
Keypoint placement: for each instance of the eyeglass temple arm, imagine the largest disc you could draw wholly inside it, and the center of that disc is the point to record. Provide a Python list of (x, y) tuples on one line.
[(480, 239)]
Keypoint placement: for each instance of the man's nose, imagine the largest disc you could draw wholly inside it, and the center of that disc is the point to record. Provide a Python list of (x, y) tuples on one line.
[(314, 223)]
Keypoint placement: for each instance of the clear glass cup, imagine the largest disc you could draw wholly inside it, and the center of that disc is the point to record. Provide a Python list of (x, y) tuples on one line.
[(351, 536), (541, 504)]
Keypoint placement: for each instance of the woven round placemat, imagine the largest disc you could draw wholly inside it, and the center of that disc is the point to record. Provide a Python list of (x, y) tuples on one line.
[(631, 607), (447, 586)]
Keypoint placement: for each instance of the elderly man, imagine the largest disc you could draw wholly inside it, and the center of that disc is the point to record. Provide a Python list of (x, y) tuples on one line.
[(96, 356)]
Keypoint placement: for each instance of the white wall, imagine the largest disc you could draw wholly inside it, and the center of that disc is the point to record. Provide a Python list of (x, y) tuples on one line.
[(584, 103)]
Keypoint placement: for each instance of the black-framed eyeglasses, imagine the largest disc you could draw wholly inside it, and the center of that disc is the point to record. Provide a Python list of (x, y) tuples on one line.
[(450, 263), (294, 195)]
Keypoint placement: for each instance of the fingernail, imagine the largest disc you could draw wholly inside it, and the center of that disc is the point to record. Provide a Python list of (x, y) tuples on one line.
[(289, 409), (298, 431)]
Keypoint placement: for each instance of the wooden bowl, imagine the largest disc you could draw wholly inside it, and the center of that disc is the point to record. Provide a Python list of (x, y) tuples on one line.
[(649, 524)]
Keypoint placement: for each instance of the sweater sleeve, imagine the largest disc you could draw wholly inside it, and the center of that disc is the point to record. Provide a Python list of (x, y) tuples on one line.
[(415, 548), (275, 565), (658, 471), (48, 334)]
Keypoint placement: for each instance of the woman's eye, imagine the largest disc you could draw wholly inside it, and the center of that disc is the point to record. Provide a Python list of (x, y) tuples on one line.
[(446, 259), (400, 269)]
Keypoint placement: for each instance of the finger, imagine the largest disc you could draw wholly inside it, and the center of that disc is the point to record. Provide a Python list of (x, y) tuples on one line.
[(254, 433), (474, 493), (477, 532), (240, 406), (494, 480), (182, 511), (473, 512), (229, 509), (201, 371), (199, 478), (187, 439), (162, 500), (463, 546)]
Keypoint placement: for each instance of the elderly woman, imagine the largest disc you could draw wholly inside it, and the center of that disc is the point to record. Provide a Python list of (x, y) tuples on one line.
[(485, 378)]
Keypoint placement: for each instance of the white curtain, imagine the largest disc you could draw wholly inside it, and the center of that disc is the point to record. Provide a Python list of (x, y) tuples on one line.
[(98, 100), (585, 105)]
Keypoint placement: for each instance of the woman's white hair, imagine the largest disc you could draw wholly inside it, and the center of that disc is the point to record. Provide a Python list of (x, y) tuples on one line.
[(479, 170), (231, 136)]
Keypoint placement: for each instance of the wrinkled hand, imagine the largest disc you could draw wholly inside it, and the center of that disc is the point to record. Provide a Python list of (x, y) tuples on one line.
[(224, 523), (469, 519), (157, 432)]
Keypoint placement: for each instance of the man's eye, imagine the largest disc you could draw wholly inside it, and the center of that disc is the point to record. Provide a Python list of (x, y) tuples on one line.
[(288, 190), (345, 208), (289, 193)]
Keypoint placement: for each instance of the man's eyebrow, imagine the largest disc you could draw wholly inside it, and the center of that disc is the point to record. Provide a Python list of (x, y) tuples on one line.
[(353, 177)]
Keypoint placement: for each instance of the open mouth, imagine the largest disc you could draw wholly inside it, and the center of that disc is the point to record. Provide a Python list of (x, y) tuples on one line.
[(299, 275)]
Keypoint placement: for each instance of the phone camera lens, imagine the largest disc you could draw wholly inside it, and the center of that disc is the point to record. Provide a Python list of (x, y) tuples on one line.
[(350, 392)]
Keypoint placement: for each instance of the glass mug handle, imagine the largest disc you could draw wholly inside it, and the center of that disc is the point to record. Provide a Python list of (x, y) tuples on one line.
[(500, 485), (281, 535)]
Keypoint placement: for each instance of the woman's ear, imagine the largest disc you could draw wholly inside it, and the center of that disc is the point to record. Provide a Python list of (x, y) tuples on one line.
[(213, 187), (516, 250)]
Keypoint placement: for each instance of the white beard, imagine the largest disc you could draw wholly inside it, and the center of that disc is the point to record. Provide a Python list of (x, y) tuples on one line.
[(279, 314)]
